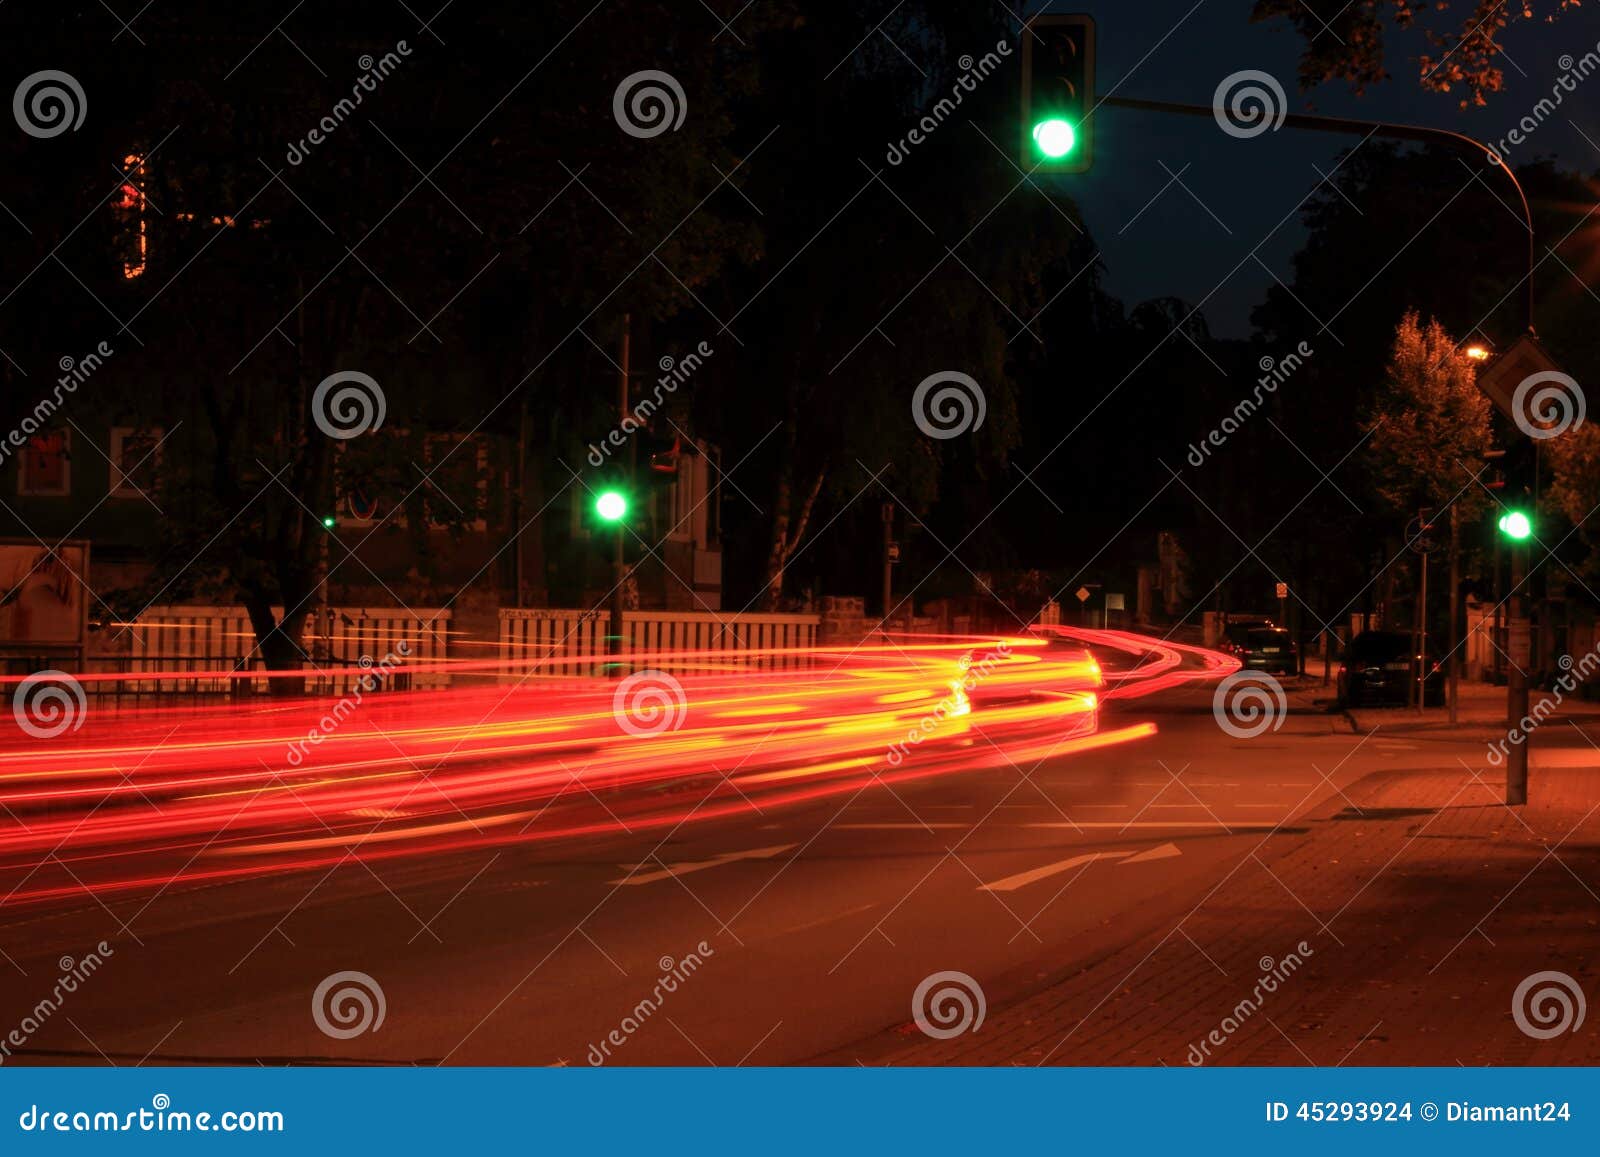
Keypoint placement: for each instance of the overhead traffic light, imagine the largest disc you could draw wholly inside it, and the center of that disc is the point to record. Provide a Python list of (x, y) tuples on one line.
[(1058, 94)]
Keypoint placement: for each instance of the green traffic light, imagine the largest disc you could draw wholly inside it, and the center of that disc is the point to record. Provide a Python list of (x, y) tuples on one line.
[(1516, 525), (1055, 137), (329, 521), (611, 506)]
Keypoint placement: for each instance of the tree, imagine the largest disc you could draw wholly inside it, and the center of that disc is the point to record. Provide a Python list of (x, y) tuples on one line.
[(905, 245), (1465, 36), (357, 193), (1431, 424)]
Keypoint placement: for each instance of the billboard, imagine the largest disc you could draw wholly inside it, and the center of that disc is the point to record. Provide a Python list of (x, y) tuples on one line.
[(43, 593)]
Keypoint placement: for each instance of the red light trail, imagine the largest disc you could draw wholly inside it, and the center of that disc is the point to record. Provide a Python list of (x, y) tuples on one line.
[(143, 799)]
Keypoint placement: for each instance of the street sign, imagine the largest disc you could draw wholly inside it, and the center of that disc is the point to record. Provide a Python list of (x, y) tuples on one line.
[(1283, 590), (1083, 594), (1523, 359), (1420, 537), (1116, 602)]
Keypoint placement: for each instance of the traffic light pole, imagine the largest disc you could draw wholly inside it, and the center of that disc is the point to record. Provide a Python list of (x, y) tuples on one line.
[(619, 564), (1364, 128), (1517, 679)]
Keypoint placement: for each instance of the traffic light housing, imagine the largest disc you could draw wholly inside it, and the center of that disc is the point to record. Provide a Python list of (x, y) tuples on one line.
[(1058, 94)]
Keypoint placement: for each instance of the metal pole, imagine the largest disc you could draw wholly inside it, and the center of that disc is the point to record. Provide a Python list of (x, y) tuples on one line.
[(1422, 638), (618, 564), (888, 566), (518, 496), (1517, 682), (1364, 128), (1455, 611), (1497, 624), (324, 608)]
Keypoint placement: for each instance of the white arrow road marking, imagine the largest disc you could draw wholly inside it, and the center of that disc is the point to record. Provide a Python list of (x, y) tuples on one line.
[(684, 869), (1023, 879)]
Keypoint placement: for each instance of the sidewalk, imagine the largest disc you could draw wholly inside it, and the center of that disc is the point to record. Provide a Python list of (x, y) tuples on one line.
[(1483, 705), (1393, 934)]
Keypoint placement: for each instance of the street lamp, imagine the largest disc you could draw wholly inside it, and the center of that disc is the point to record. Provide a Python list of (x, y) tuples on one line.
[(1477, 353)]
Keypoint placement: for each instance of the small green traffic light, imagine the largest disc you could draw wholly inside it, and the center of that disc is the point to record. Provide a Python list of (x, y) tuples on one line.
[(1055, 137), (611, 506), (329, 522), (1514, 524)]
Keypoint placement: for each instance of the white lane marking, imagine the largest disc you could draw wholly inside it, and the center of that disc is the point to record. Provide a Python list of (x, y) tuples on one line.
[(1023, 879), (1161, 852), (684, 869)]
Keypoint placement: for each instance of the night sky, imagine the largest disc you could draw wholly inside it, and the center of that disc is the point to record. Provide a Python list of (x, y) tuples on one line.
[(1176, 247)]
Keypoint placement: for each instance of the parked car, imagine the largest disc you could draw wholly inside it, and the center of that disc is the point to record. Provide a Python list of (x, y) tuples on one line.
[(1262, 648), (1382, 666)]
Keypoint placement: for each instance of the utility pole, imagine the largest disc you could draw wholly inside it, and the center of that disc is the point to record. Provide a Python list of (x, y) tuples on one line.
[(618, 564)]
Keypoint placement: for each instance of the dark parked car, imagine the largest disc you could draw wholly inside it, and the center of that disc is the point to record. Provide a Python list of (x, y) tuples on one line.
[(1381, 667), (1262, 648)]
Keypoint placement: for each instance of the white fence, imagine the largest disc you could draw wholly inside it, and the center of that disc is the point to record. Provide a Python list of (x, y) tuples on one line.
[(173, 639), (547, 641)]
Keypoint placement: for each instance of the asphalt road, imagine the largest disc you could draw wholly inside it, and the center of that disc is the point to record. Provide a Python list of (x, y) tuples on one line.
[(807, 928)]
